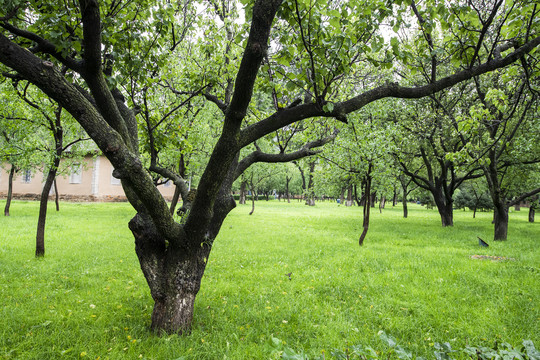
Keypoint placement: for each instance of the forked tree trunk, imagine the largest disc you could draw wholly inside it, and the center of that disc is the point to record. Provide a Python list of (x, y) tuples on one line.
[(10, 190), (444, 206), (174, 276)]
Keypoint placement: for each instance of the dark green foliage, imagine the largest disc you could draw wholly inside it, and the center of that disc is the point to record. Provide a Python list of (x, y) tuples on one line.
[(466, 198)]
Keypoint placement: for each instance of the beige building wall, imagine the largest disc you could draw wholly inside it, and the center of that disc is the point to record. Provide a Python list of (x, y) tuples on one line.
[(92, 181), (23, 182)]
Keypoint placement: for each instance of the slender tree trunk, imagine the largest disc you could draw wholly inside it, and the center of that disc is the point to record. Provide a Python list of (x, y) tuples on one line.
[(56, 196), (174, 200), (342, 195), (287, 181), (176, 195), (517, 207), (366, 208), (358, 201), (405, 209), (242, 198), (404, 198), (395, 197), (58, 135), (310, 198), (40, 235), (382, 203), (474, 213), (12, 172), (253, 191), (349, 201), (531, 213)]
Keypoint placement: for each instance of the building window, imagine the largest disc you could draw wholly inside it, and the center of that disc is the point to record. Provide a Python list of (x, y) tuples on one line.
[(114, 181), (27, 176), (76, 174)]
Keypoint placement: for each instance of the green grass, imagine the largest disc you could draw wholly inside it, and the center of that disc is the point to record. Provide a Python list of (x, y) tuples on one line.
[(412, 279)]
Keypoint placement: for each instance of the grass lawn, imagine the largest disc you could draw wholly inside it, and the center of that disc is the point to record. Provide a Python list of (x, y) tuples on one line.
[(413, 279)]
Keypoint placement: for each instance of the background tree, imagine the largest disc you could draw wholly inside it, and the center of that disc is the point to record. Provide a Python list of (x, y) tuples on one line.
[(506, 119), (474, 195), (54, 128), (17, 139), (427, 138)]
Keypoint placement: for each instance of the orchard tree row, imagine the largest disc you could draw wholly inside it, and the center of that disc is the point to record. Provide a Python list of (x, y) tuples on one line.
[(201, 92)]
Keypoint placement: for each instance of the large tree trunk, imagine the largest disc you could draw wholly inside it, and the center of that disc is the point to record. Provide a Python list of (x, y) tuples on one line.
[(444, 206), (173, 275), (10, 190), (40, 234)]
